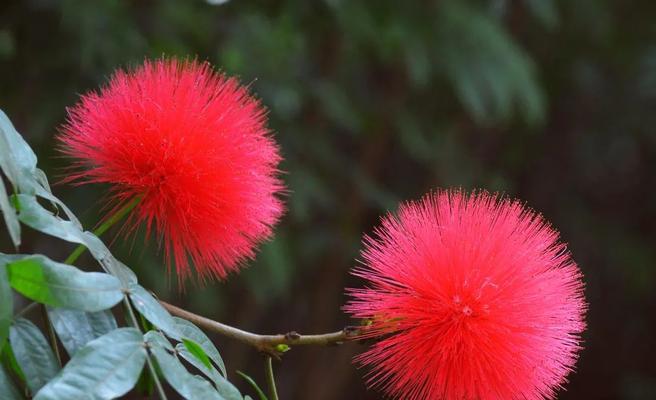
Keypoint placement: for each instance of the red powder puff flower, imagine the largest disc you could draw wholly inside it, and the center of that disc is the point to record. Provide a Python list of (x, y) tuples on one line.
[(193, 145), (474, 298)]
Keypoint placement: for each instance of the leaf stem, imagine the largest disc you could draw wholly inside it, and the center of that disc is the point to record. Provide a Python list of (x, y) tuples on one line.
[(51, 333), (109, 222), (268, 344), (254, 385), (151, 367), (271, 380), (27, 309)]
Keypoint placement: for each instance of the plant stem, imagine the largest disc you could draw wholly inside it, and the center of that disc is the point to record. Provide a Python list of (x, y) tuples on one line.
[(27, 309), (151, 367), (271, 380), (254, 385), (114, 218), (267, 343), (51, 333)]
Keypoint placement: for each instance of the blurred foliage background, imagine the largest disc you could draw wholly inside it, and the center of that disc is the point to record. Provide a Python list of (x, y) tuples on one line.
[(375, 102)]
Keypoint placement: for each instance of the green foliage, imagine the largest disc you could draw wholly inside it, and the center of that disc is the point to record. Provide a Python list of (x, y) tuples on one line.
[(59, 285), (33, 353), (18, 162), (77, 328), (9, 213), (34, 215), (187, 385), (106, 360), (6, 305), (105, 368), (153, 338), (195, 350), (9, 362), (7, 387), (192, 333), (195, 358), (150, 308)]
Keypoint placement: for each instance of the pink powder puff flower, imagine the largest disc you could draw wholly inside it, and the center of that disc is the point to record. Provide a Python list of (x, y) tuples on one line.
[(193, 145), (472, 297)]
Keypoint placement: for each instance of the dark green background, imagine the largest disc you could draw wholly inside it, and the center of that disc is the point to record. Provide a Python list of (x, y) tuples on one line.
[(374, 102)]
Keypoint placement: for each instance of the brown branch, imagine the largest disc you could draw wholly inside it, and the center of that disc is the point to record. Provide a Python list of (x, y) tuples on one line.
[(269, 344)]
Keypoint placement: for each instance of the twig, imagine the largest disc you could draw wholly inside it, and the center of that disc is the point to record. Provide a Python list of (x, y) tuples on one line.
[(268, 344)]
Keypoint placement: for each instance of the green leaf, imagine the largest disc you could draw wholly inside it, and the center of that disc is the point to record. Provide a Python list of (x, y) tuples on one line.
[(197, 351), (77, 328), (150, 308), (9, 361), (225, 388), (7, 388), (45, 281), (254, 385), (32, 214), (116, 268), (6, 304), (42, 179), (18, 162), (35, 216), (9, 213), (190, 331), (208, 370), (33, 354), (187, 385), (106, 368), (145, 324), (16, 157), (155, 338)]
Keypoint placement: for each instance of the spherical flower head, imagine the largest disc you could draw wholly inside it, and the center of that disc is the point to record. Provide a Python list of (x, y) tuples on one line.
[(192, 144), (472, 297)]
